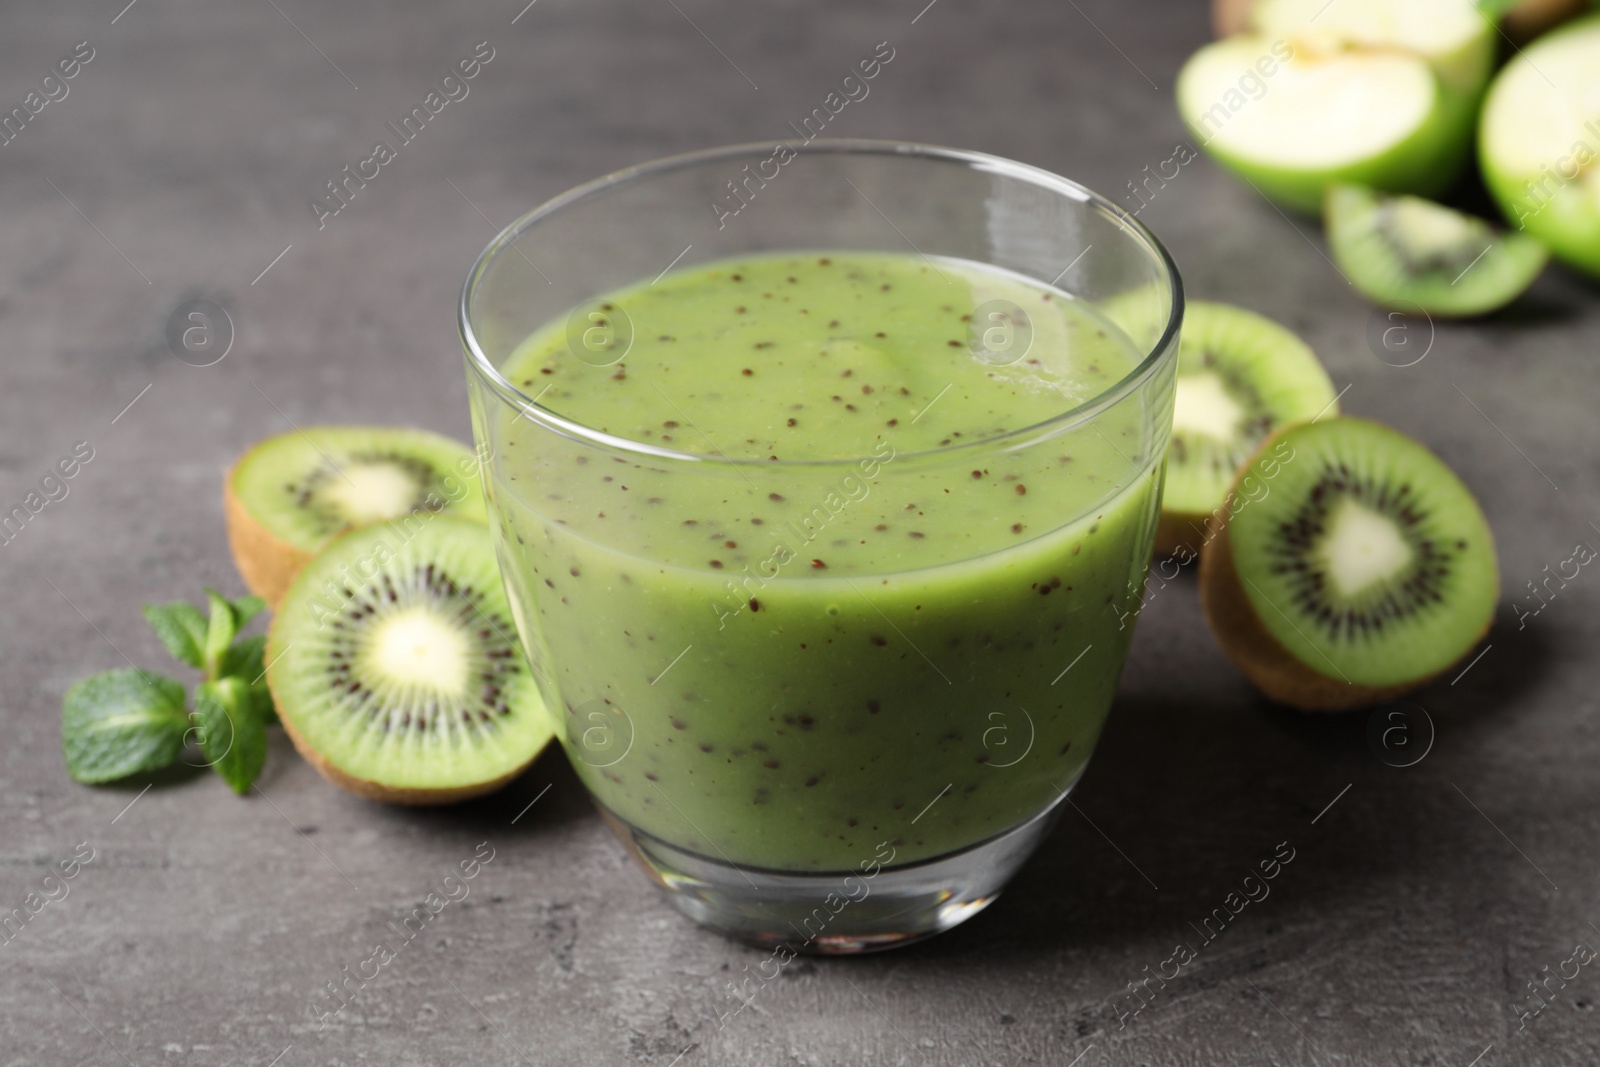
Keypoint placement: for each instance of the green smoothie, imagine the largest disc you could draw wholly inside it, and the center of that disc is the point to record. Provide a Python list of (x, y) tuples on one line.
[(827, 609)]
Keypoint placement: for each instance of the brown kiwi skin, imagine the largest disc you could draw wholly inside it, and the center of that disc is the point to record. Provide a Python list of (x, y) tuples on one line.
[(387, 794), (1231, 17), (267, 563), (1270, 667), (1176, 535)]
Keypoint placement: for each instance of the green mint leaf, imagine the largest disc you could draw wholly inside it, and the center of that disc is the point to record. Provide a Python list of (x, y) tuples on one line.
[(245, 659), (232, 734), (246, 608), (181, 627), (120, 723), (224, 624)]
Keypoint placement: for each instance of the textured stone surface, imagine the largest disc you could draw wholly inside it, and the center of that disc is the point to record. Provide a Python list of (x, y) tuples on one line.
[(1406, 927)]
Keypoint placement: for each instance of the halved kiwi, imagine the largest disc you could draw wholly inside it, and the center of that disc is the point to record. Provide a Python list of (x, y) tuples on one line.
[(290, 495), (1354, 566), (1405, 252), (394, 663), (1240, 377)]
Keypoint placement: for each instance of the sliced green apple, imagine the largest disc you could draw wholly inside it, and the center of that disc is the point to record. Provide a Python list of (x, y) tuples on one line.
[(1540, 142), (1456, 39), (1294, 120), (1521, 20), (1378, 92)]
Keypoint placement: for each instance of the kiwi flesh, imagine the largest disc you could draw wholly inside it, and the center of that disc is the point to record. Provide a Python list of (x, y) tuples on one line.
[(394, 663), (1355, 567), (1240, 377), (1404, 252), (292, 494)]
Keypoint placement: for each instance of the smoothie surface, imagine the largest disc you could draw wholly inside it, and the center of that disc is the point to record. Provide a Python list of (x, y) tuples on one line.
[(846, 357), (816, 357)]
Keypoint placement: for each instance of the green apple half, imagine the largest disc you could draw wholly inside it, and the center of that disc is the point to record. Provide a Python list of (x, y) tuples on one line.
[(1540, 142), (1522, 20), (1369, 92), (1454, 36)]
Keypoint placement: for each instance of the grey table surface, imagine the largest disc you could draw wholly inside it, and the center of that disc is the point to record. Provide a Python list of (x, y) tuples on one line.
[(1420, 902)]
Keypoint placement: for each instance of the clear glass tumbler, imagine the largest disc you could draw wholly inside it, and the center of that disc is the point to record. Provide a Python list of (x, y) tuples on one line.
[(805, 743)]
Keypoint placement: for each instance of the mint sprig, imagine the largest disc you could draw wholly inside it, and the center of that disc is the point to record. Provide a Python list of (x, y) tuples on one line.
[(120, 723), (128, 721), (181, 627), (233, 734)]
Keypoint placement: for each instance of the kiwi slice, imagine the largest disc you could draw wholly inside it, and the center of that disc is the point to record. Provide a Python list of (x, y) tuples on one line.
[(1404, 252), (1355, 567), (395, 666), (1240, 376), (292, 494)]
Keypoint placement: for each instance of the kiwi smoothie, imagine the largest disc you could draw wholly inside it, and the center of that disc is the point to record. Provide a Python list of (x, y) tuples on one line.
[(815, 614)]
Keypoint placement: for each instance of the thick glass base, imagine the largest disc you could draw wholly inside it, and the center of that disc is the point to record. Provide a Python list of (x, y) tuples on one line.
[(838, 913)]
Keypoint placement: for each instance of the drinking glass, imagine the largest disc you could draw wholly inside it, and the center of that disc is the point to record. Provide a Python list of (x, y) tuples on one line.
[(825, 758)]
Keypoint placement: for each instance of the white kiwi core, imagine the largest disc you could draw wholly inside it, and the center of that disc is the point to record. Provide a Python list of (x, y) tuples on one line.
[(1362, 548), (1427, 229), (415, 648), (371, 492), (1205, 407)]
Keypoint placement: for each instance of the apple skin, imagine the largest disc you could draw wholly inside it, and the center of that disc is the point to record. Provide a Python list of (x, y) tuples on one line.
[(1569, 220), (1568, 224), (1427, 163)]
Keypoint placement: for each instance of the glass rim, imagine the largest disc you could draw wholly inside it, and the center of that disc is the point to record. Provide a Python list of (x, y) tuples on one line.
[(507, 391)]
